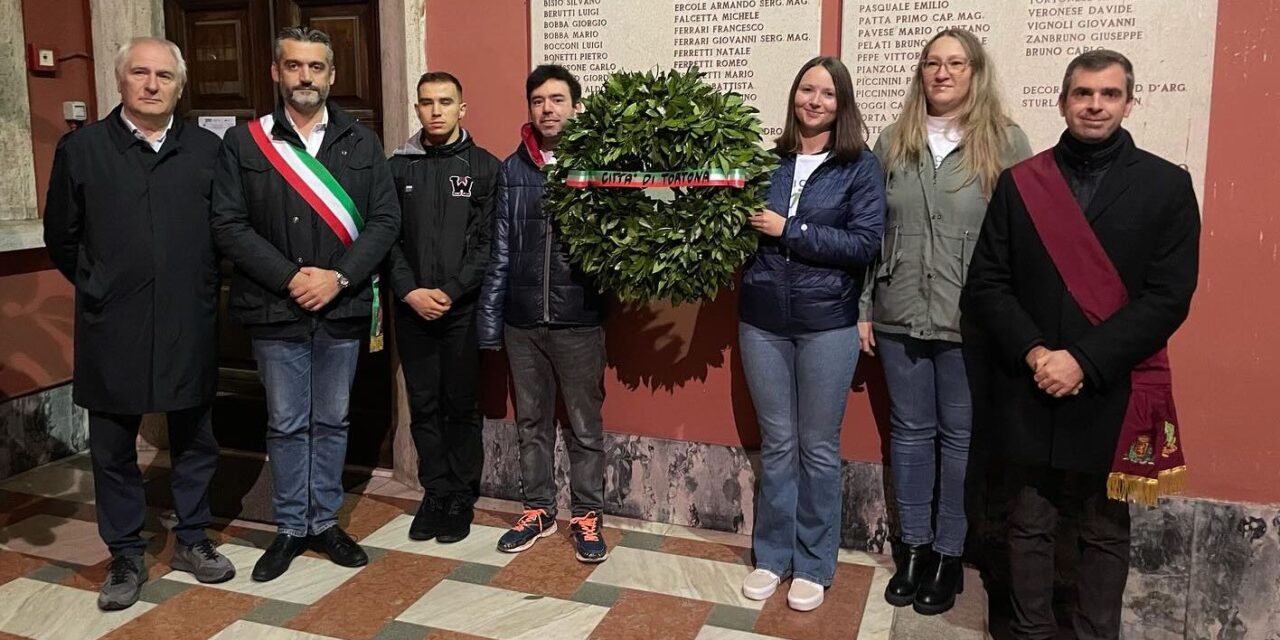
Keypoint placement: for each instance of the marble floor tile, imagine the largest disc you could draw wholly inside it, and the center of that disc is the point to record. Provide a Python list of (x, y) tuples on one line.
[(877, 614), (62, 539), (375, 596), (707, 535), (245, 630), (61, 480), (640, 615), (149, 458), (479, 547), (852, 556), (393, 489), (839, 617), (194, 613), (307, 580), (721, 633), (643, 526), (694, 578), (503, 506), (468, 608), (44, 611)]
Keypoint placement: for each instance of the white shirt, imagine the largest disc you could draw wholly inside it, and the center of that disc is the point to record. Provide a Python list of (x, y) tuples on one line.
[(804, 168), (944, 137), (548, 156), (313, 141), (137, 133)]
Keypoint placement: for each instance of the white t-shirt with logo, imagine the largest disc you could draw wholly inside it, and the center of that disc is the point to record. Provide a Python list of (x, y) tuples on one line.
[(805, 164)]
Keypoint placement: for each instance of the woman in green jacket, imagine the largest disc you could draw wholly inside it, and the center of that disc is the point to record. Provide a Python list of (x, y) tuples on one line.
[(941, 158)]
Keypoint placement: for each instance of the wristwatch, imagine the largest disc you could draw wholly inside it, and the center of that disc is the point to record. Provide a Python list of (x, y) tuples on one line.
[(343, 281)]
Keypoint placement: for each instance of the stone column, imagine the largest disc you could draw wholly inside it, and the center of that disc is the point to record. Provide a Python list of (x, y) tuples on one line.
[(403, 26), (17, 172), (115, 22)]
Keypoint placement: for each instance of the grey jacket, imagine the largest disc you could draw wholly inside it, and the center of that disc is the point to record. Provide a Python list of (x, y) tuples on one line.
[(932, 219)]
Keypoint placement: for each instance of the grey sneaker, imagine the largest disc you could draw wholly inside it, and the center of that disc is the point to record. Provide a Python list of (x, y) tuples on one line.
[(203, 561), (124, 581)]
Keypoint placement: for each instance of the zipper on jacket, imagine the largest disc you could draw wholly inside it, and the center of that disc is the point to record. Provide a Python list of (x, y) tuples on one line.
[(546, 270)]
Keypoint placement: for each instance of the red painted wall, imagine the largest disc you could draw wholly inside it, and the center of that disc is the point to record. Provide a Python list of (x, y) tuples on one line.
[(673, 372), (35, 331), (65, 26)]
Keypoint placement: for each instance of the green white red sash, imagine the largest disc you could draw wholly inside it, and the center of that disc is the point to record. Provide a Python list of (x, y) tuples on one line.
[(322, 191), (311, 180), (646, 179)]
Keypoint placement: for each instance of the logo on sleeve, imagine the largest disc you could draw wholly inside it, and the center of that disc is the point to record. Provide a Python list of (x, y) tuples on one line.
[(461, 186)]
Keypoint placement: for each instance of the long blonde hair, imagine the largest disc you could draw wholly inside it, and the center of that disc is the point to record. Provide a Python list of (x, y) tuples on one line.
[(982, 121)]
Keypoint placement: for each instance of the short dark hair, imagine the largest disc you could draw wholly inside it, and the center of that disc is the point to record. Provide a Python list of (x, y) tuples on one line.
[(440, 76), (849, 132), (1097, 60), (303, 33), (545, 72)]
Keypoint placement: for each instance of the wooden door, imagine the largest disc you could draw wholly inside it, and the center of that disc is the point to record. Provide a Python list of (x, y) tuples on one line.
[(353, 28)]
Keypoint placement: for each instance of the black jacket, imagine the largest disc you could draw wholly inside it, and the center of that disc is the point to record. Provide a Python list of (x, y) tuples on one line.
[(810, 278), (447, 197), (530, 280), (270, 232), (129, 227), (1145, 215)]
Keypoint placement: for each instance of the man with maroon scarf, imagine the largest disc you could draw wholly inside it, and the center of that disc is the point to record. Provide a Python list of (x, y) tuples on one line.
[(1085, 267)]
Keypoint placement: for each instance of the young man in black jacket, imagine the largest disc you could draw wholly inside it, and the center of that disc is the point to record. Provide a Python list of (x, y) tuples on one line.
[(548, 314), (446, 186)]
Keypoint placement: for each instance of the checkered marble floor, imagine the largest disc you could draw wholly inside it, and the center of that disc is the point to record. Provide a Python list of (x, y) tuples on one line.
[(661, 581)]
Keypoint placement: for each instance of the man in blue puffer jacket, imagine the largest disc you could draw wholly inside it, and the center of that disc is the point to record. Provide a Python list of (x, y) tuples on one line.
[(550, 314)]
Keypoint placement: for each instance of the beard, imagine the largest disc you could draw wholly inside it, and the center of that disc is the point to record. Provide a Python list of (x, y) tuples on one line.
[(305, 97)]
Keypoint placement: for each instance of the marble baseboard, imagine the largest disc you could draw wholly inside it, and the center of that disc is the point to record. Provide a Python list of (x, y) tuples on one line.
[(40, 428), (1198, 568)]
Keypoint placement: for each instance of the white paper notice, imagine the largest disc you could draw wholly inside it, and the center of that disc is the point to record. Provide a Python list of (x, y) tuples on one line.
[(217, 124)]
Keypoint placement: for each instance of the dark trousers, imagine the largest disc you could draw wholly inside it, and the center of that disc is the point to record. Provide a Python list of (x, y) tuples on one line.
[(441, 362), (121, 499), (1103, 539), (575, 357)]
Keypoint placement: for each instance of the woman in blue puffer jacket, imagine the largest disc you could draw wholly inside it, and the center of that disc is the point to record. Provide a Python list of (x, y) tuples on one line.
[(798, 327)]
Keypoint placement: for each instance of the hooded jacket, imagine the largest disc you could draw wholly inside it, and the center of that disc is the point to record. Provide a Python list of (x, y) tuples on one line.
[(530, 280), (447, 197)]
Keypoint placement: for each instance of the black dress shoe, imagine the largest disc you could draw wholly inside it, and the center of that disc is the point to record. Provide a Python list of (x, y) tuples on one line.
[(913, 562), (278, 557), (457, 520), (937, 593), (341, 549), (429, 519)]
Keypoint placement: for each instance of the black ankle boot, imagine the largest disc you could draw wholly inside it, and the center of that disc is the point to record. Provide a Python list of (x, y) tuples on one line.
[(937, 593), (913, 562)]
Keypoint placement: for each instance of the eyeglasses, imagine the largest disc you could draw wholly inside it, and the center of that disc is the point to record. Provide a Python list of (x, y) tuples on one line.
[(954, 67)]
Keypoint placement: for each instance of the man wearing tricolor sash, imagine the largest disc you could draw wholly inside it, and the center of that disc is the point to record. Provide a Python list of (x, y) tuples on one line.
[(1085, 267), (305, 207)]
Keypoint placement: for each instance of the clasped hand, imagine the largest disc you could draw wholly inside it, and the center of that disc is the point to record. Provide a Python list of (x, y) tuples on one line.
[(313, 288), (1056, 372), (767, 222), (430, 304)]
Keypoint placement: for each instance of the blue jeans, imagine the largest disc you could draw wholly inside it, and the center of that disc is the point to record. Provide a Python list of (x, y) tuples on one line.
[(308, 384), (929, 405), (799, 385)]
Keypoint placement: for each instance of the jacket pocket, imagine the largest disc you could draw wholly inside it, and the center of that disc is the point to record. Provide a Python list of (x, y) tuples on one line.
[(898, 295)]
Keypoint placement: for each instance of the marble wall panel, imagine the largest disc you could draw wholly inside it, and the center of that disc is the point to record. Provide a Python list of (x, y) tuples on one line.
[(1155, 598), (865, 520), (1234, 584), (17, 173), (40, 428)]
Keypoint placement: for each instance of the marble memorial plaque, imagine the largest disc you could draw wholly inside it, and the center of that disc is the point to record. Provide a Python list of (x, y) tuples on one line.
[(1170, 42), (751, 47)]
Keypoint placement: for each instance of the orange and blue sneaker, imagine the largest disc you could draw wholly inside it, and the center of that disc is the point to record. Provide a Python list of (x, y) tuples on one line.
[(588, 542), (534, 524)]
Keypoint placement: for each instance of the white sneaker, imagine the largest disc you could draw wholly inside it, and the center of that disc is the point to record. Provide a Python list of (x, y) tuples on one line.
[(760, 584), (804, 595)]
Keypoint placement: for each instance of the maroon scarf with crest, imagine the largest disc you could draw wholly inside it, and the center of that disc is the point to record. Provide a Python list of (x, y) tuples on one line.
[(1148, 460)]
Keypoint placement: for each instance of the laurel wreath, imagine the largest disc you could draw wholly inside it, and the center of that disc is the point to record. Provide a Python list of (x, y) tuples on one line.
[(687, 245)]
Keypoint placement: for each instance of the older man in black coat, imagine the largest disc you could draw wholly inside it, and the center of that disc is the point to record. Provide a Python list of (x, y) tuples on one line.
[(127, 222), (1062, 381)]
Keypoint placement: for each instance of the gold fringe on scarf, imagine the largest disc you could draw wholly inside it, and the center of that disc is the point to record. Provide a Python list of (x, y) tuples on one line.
[(1146, 491)]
